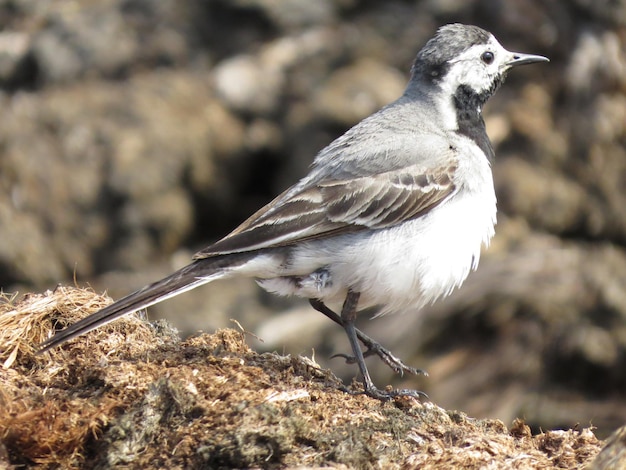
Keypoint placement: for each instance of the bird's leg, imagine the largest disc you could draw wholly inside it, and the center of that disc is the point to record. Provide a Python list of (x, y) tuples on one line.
[(373, 347), (348, 316)]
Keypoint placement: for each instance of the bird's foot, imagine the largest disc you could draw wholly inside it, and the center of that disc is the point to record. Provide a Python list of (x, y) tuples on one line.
[(387, 394), (374, 348)]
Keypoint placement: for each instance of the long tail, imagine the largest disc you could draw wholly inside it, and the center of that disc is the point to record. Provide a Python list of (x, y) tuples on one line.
[(193, 275)]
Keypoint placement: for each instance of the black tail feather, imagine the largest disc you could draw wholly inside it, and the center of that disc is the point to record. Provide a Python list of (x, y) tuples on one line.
[(191, 276)]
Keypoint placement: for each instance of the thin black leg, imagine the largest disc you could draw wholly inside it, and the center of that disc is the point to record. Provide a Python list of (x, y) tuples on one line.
[(348, 316), (373, 347)]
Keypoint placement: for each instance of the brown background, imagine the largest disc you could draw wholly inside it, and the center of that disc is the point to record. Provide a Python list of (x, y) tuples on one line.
[(134, 132)]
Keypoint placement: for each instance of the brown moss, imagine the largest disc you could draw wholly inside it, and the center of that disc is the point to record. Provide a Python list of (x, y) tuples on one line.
[(133, 395)]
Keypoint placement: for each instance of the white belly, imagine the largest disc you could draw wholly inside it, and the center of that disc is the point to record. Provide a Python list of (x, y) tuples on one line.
[(404, 267)]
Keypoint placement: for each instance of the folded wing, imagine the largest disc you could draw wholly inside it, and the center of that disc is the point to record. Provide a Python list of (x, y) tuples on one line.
[(334, 206)]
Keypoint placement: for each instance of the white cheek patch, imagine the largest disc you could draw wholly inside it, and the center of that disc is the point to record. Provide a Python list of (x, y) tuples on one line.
[(469, 70)]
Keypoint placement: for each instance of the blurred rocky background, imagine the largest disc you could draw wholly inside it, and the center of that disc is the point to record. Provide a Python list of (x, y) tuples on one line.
[(133, 132)]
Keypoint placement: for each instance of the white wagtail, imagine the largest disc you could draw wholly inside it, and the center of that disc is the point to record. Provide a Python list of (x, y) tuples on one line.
[(392, 215)]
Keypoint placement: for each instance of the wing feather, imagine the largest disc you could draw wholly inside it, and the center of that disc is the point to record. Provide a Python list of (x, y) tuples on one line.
[(334, 206)]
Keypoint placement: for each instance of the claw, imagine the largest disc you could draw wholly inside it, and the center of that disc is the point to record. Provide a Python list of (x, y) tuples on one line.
[(385, 395), (386, 356), (389, 359), (351, 359), (348, 358)]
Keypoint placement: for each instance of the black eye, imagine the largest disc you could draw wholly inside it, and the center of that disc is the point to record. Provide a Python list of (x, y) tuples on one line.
[(487, 57)]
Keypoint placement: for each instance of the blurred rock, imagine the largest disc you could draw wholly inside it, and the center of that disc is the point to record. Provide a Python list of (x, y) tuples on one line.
[(13, 54), (246, 86), (102, 164), (354, 92), (288, 14), (547, 199)]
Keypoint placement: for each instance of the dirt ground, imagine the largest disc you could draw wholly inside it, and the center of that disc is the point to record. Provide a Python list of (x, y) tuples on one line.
[(133, 395)]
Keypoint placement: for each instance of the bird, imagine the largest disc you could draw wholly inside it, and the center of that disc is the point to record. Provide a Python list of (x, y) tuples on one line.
[(391, 216)]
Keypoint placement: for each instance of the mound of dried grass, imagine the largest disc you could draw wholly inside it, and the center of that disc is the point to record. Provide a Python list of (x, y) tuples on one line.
[(136, 396), (45, 410), (32, 320), (25, 324)]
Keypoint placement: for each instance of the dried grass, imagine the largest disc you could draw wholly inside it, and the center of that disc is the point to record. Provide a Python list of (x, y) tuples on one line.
[(136, 396), (26, 324), (45, 408), (54, 432)]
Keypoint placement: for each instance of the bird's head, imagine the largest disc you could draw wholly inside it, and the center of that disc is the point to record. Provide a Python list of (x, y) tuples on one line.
[(469, 57)]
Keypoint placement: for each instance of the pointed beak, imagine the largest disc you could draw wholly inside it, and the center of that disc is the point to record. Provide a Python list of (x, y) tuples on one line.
[(518, 58)]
